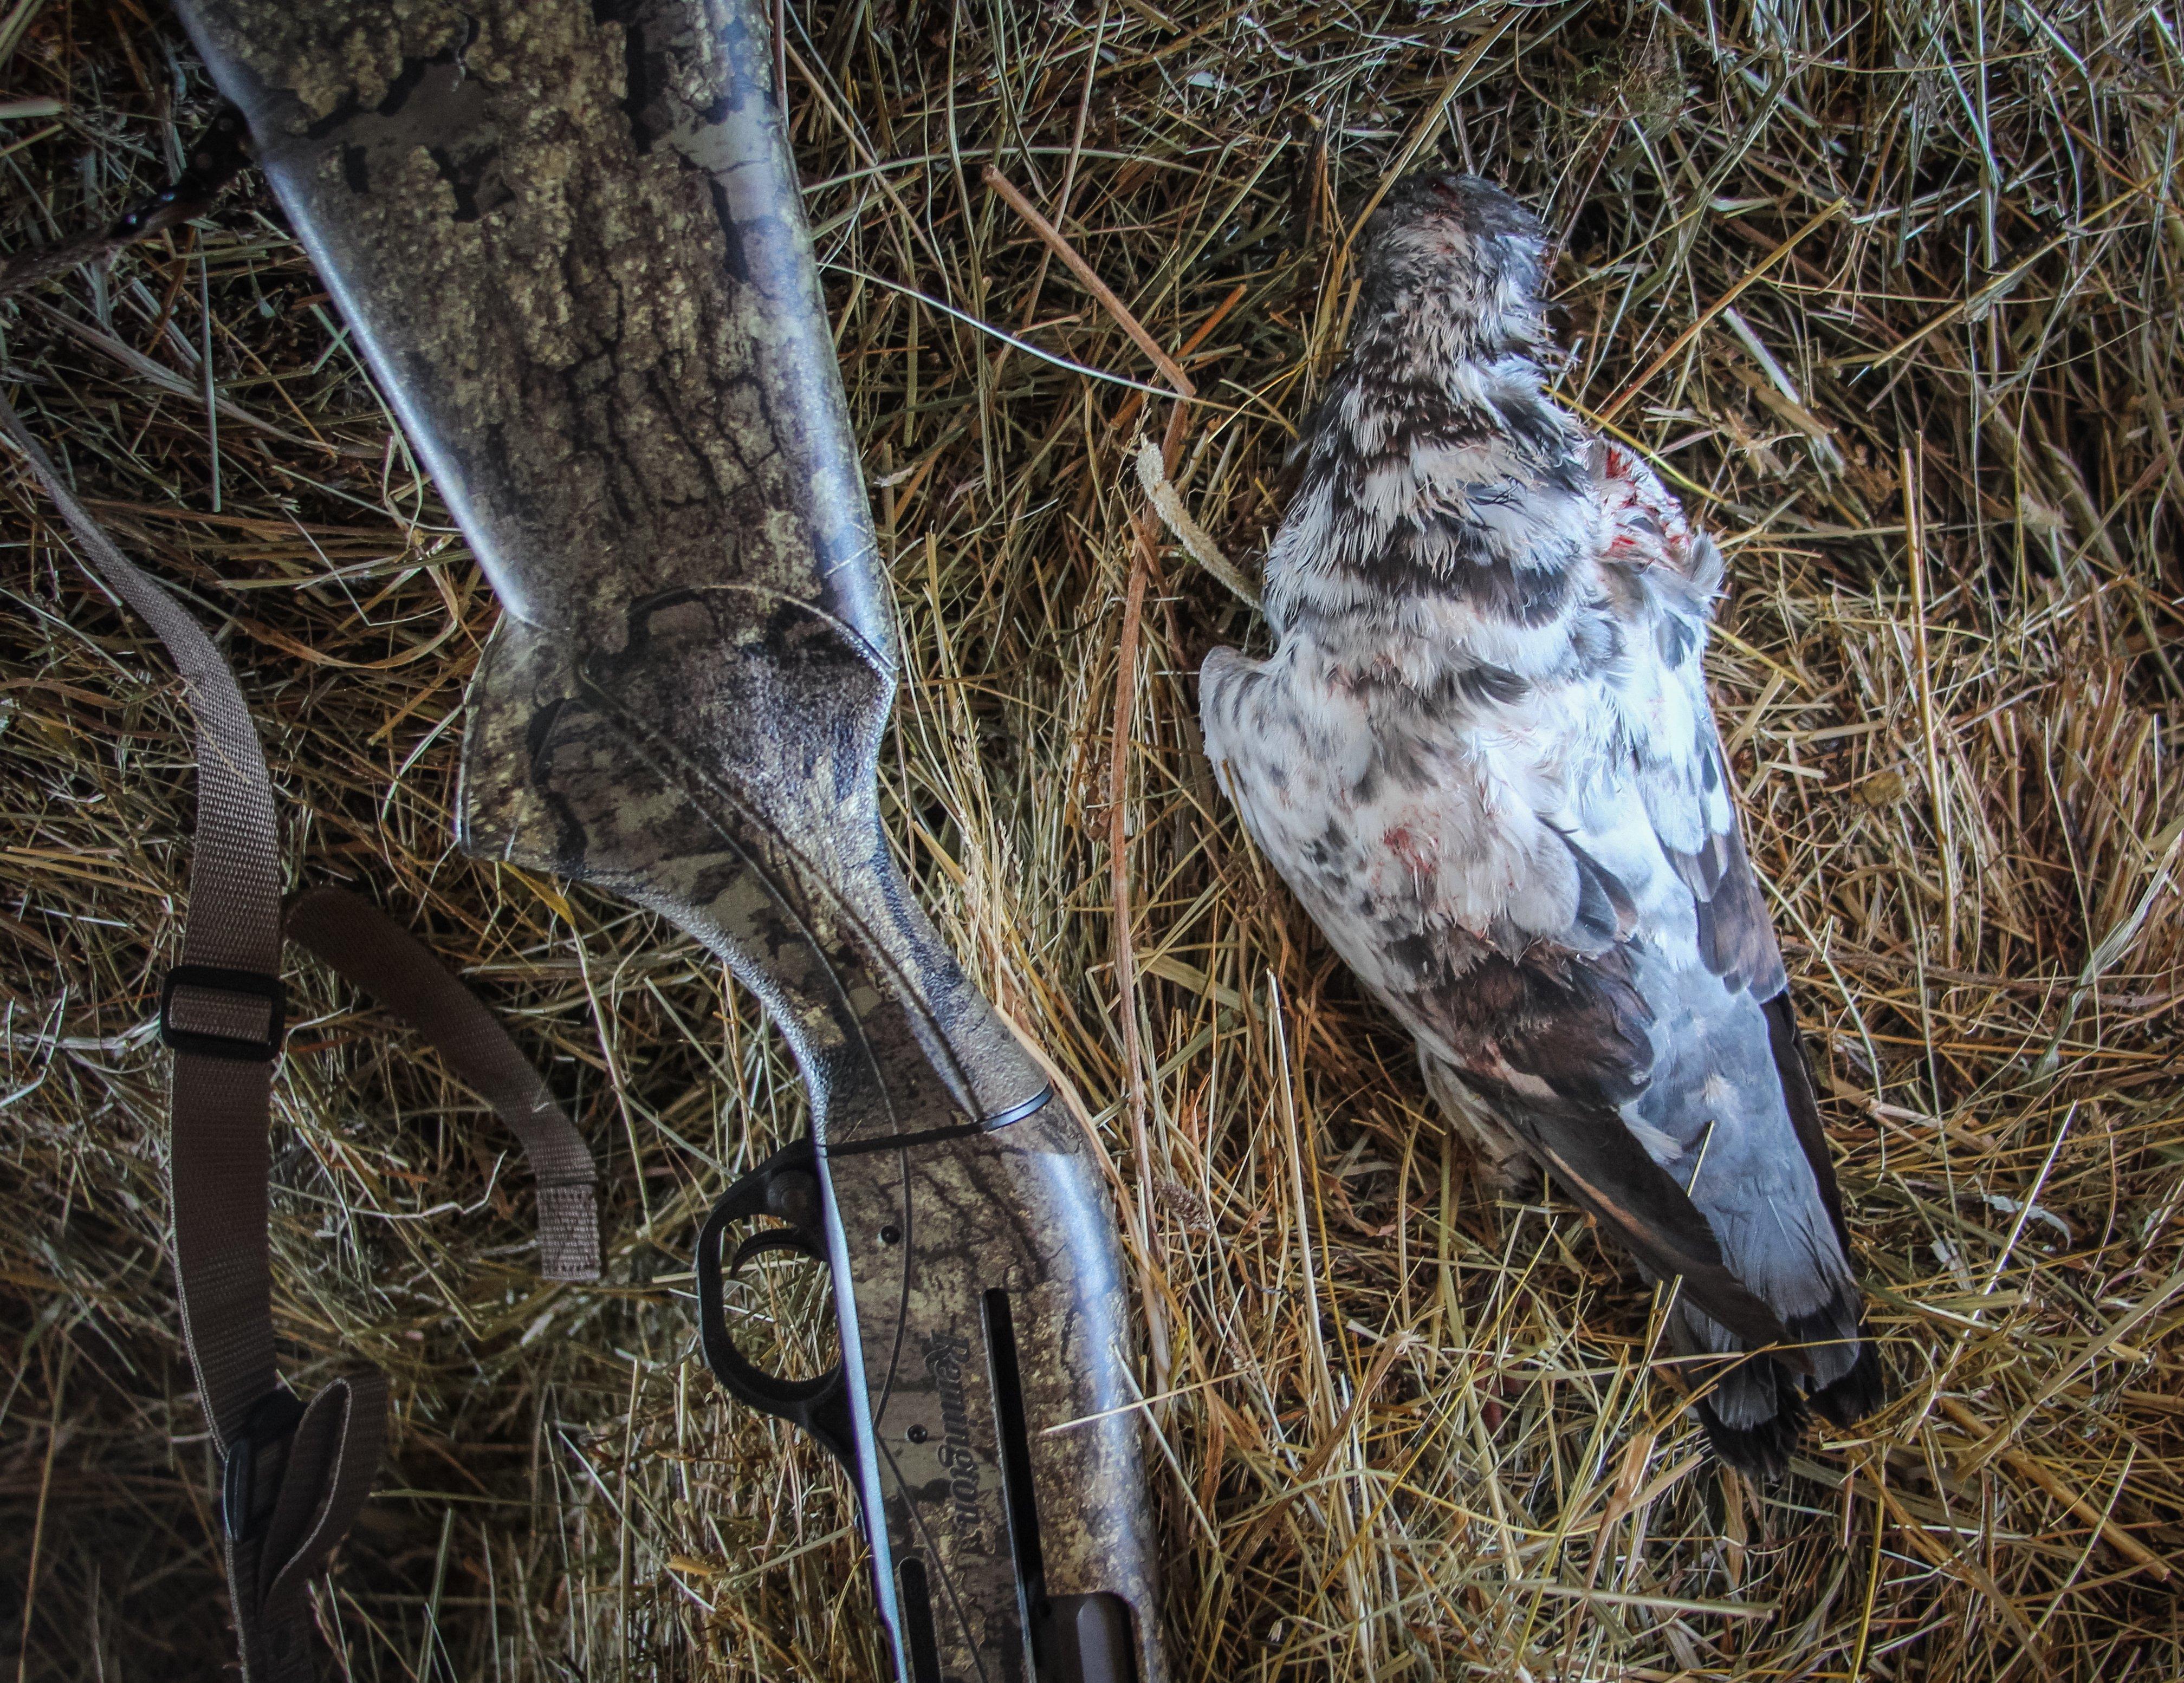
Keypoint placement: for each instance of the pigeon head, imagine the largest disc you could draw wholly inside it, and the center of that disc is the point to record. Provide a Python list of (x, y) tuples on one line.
[(1454, 255)]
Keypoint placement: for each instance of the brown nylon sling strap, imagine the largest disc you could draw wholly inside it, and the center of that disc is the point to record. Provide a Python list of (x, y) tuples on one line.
[(293, 1473), (368, 947)]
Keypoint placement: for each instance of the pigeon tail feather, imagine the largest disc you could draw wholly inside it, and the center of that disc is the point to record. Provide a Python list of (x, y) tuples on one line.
[(1761, 1451), (1757, 1409), (1858, 1392)]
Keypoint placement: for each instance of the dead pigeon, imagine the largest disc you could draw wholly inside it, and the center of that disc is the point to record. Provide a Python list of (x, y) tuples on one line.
[(1483, 757)]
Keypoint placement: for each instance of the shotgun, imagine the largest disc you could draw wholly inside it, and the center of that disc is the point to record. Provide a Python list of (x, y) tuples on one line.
[(569, 238)]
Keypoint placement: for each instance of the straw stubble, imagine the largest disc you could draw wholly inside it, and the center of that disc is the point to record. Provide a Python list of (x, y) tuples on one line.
[(1887, 295)]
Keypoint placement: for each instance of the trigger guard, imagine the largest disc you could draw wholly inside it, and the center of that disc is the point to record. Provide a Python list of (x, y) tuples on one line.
[(775, 1239), (819, 1405)]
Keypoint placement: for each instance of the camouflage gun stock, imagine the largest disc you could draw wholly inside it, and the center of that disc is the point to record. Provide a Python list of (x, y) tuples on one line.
[(568, 235)]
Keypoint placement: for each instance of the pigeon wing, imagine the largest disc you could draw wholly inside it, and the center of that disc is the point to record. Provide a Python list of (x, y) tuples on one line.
[(1498, 923)]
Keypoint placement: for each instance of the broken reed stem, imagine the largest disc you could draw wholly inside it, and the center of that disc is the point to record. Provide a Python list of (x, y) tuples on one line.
[(1126, 968), (1093, 284), (1118, 856)]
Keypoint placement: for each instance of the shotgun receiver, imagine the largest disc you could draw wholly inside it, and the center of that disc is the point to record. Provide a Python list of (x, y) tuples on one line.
[(568, 235)]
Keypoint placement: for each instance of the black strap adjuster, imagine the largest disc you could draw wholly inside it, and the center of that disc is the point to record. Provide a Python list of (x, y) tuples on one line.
[(213, 979), (244, 1508)]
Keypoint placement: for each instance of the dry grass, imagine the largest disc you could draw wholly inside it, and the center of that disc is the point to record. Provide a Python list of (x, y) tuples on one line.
[(1408, 1431)]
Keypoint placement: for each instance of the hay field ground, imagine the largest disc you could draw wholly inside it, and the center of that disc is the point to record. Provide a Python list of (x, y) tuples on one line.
[(1888, 292)]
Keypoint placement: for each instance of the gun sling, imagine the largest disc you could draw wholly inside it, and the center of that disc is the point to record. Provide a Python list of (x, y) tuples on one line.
[(293, 1473)]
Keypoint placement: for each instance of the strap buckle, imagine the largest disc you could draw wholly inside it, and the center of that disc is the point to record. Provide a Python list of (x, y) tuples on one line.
[(210, 1042), (270, 1425)]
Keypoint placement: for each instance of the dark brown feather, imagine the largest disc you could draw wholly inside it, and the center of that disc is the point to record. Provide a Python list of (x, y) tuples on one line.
[(1605, 1171), (1798, 1092), (1577, 1024)]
